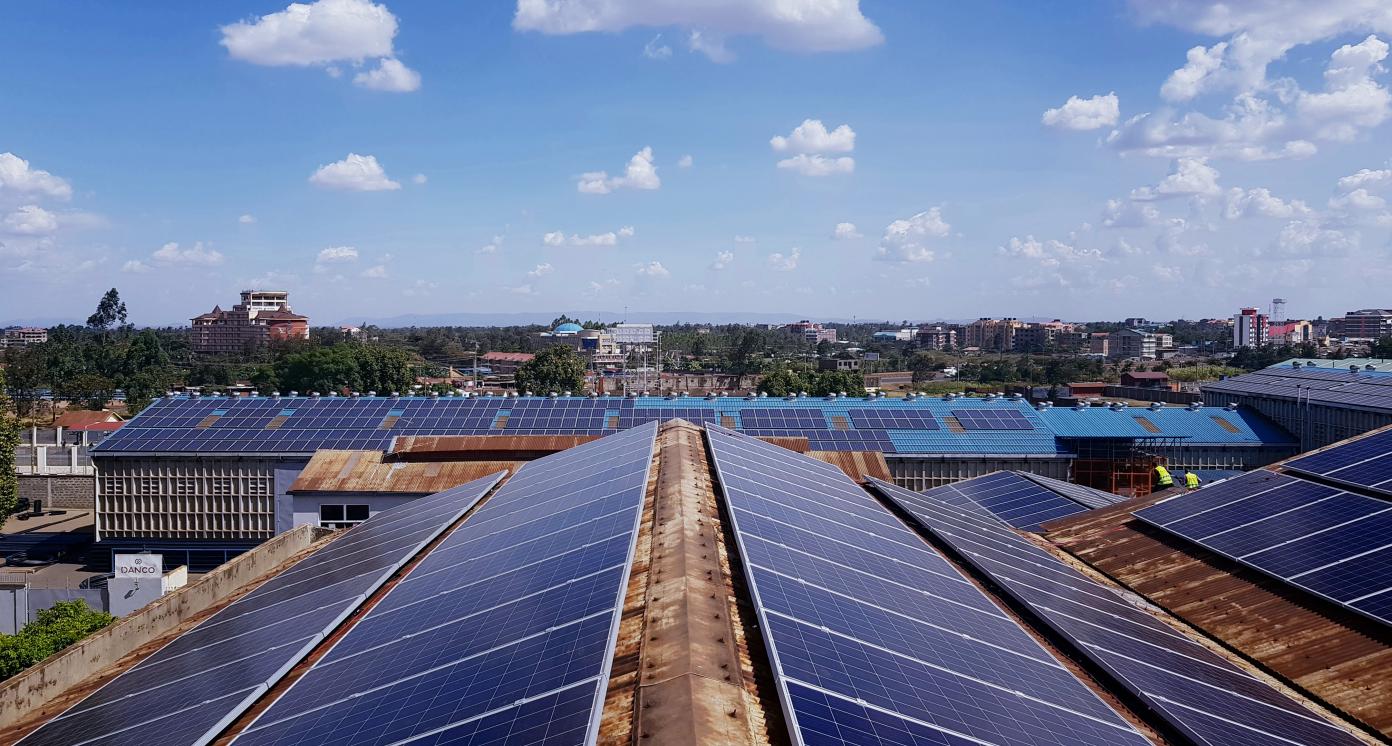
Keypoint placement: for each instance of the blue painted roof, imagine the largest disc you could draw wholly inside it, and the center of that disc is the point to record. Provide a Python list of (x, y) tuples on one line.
[(1197, 426), (569, 327)]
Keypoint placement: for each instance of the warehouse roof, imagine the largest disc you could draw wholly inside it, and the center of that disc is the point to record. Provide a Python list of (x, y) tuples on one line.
[(1201, 425), (1335, 387)]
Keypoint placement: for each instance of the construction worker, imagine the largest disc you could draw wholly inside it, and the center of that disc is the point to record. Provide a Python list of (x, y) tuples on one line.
[(1191, 481), (1163, 480)]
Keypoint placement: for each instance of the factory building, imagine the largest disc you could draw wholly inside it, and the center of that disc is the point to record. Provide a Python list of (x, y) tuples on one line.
[(1318, 401)]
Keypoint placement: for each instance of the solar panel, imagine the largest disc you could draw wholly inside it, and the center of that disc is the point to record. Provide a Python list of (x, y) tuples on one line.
[(504, 633), (992, 419), (872, 632), (1366, 462), (1196, 691), (782, 419), (1011, 498), (892, 419), (193, 687), (1327, 541), (1083, 495)]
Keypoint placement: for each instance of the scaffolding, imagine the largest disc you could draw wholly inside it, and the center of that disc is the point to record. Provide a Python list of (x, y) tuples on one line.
[(1121, 466)]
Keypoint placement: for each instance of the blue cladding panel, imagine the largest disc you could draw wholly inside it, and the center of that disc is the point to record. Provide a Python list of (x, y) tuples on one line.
[(871, 631), (504, 628), (1198, 692), (216, 668)]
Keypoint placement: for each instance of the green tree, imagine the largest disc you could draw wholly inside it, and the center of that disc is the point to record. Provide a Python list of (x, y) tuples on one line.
[(1381, 349), (24, 367), (9, 441), (347, 366), (837, 382), (87, 390), (53, 629), (557, 368), (782, 380), (747, 355), (111, 311)]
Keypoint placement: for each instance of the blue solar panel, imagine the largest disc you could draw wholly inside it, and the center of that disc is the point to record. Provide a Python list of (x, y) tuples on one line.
[(892, 419), (504, 633), (191, 688), (782, 419), (1010, 498), (992, 419), (1327, 541), (1366, 462), (1199, 693), (872, 632)]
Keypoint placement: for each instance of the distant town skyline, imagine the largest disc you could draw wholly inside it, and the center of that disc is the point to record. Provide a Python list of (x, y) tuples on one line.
[(879, 160)]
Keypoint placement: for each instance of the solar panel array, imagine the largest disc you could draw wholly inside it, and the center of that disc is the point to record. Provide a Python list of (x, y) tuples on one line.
[(549, 417), (781, 421), (631, 416), (190, 689), (504, 633), (1366, 463), (1196, 691), (1327, 541), (1322, 385), (1011, 498), (1083, 495), (874, 637), (992, 419), (892, 419)]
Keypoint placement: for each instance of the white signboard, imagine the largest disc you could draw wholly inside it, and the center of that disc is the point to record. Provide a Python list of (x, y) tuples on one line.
[(139, 565)]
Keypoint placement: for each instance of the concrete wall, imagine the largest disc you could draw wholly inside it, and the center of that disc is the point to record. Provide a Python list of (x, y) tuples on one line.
[(1142, 393), (30, 690), (75, 492)]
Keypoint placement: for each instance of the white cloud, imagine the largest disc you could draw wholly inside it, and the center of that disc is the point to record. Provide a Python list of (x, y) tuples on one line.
[(1128, 214), (1176, 238), (1260, 201), (390, 76), (685, 161), (30, 220), (247, 219), (1365, 178), (524, 289), (1352, 100), (1050, 254), (334, 255), (845, 231), (311, 34), (135, 266), (598, 288), (639, 174), (17, 177), (1188, 177), (656, 50), (812, 137), (554, 238), (196, 255), (1358, 199), (653, 269), (356, 173), (816, 165), (375, 272), (1188, 81), (1309, 238), (723, 259), (609, 238), (780, 262), (909, 240), (1166, 274), (419, 179), (804, 26), (541, 270), (421, 288), (1081, 114), (492, 247), (711, 45), (745, 239)]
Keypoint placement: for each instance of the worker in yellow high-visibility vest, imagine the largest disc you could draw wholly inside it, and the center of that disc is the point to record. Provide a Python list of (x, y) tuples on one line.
[(1191, 480), (1163, 478)]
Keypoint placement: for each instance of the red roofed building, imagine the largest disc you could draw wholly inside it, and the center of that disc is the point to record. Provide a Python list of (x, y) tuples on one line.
[(262, 316), (504, 363)]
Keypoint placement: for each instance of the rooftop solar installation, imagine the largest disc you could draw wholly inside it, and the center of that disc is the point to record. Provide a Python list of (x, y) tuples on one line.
[(1327, 541), (190, 689), (504, 633), (991, 419), (1011, 498), (1365, 462), (873, 636), (1083, 495), (1197, 692), (1334, 387), (889, 419)]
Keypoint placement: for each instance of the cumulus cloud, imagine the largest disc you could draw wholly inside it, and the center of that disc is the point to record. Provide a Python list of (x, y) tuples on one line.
[(30, 220), (491, 247), (328, 258), (19, 178), (817, 165), (711, 45), (1260, 201), (745, 239), (723, 259), (685, 161), (356, 173), (845, 231), (608, 238), (390, 76), (910, 240), (196, 255), (420, 179), (1050, 254), (1189, 81), (653, 269), (1358, 199), (813, 137), (135, 266), (1366, 178), (247, 219), (1310, 238), (656, 50), (807, 26), (1084, 114), (639, 174), (1128, 214), (375, 272), (1188, 177), (541, 270), (780, 262)]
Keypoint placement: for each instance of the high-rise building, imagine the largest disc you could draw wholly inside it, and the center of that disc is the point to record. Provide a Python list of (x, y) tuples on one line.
[(937, 337), (1365, 324), (262, 316), (1250, 328), (812, 332), (992, 335)]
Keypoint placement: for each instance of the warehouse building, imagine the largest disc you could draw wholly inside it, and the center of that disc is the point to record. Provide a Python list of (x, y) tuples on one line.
[(1318, 401)]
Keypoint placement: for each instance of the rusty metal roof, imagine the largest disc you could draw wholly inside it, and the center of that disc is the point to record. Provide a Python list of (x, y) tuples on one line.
[(1332, 655), (856, 464), (791, 442), (364, 471), (507, 447)]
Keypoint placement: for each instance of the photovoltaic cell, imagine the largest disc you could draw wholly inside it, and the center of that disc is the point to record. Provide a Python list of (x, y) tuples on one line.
[(1366, 462), (1326, 541), (504, 633), (992, 419), (1010, 497), (1196, 691), (187, 691), (892, 419), (872, 633)]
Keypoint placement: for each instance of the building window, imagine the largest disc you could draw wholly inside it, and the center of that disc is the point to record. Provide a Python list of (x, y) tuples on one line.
[(342, 516)]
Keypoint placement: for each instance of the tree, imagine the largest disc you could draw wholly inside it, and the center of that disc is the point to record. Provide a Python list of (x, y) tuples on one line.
[(557, 368), (111, 310), (1381, 349), (782, 381), (9, 441), (53, 629), (836, 382), (748, 353), (347, 366)]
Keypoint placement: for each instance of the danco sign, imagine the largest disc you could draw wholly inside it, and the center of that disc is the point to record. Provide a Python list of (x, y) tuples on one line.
[(139, 565)]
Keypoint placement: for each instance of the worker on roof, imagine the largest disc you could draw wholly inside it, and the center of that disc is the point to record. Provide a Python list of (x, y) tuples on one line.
[(1163, 478), (1191, 480)]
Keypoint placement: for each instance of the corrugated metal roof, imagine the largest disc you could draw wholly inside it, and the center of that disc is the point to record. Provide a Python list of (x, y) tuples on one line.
[(517, 447), (1205, 425), (1333, 655), (856, 464), (364, 471)]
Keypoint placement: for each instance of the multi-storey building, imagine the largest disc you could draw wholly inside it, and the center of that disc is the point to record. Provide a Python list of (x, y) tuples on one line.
[(262, 316), (1134, 343), (1291, 332), (1100, 343), (992, 335), (1250, 328), (811, 332), (1052, 336), (1365, 324), (23, 336), (937, 337)]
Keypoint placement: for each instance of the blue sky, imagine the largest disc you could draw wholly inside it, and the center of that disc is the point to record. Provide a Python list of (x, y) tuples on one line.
[(380, 159)]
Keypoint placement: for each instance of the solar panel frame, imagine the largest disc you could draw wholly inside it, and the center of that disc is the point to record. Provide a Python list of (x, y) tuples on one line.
[(1011, 498), (1363, 463)]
